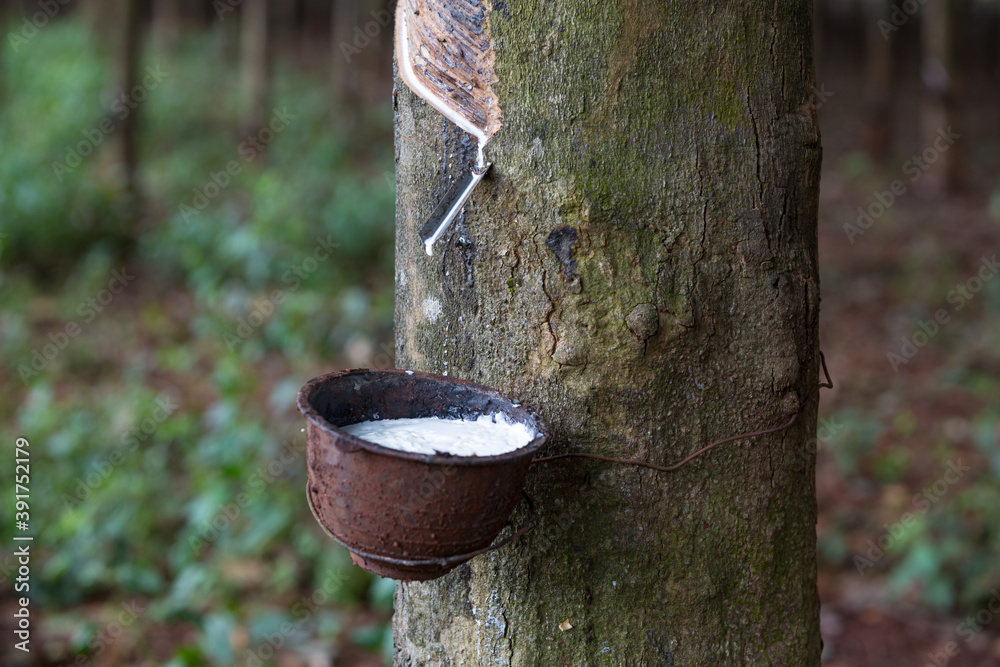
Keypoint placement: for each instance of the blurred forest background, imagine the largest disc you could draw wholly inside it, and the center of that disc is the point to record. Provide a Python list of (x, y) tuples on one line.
[(196, 216)]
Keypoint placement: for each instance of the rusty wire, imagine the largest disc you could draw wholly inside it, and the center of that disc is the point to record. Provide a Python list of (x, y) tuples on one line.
[(753, 434)]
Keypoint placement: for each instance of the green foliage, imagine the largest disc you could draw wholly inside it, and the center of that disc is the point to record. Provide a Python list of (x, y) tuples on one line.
[(168, 464), (942, 557), (994, 206), (855, 164), (949, 561), (51, 212), (855, 441)]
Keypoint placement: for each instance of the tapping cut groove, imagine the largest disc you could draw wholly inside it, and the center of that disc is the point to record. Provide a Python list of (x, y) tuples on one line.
[(445, 56)]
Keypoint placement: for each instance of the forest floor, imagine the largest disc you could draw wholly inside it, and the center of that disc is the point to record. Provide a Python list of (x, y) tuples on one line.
[(910, 434)]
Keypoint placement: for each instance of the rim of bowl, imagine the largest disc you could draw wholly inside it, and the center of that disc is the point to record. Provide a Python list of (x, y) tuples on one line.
[(316, 419)]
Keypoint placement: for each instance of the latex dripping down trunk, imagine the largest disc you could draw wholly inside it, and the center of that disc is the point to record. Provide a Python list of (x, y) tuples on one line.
[(444, 53)]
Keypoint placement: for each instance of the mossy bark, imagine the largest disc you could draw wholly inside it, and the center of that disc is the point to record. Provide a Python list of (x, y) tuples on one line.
[(640, 268)]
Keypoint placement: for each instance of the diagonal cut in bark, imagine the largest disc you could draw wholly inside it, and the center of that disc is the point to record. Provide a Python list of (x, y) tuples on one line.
[(445, 56)]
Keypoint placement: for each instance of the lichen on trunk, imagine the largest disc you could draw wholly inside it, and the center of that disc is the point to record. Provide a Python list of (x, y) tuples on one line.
[(640, 268)]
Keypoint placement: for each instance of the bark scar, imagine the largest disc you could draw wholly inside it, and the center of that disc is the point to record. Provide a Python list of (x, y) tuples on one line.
[(553, 307), (756, 139), (560, 243)]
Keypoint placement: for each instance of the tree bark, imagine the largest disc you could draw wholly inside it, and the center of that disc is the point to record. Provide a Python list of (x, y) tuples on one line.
[(639, 267)]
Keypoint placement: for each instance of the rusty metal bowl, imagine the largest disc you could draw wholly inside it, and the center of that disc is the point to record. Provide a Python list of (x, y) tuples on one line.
[(404, 515)]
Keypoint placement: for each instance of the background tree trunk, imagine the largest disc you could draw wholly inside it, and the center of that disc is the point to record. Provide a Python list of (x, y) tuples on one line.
[(819, 24), (285, 31), (127, 37), (640, 267), (372, 63), (344, 65), (878, 80), (197, 13), (6, 24), (166, 23), (117, 24), (941, 86), (254, 64)]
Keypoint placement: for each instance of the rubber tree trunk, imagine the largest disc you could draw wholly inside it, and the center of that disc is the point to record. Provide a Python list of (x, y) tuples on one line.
[(640, 268)]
